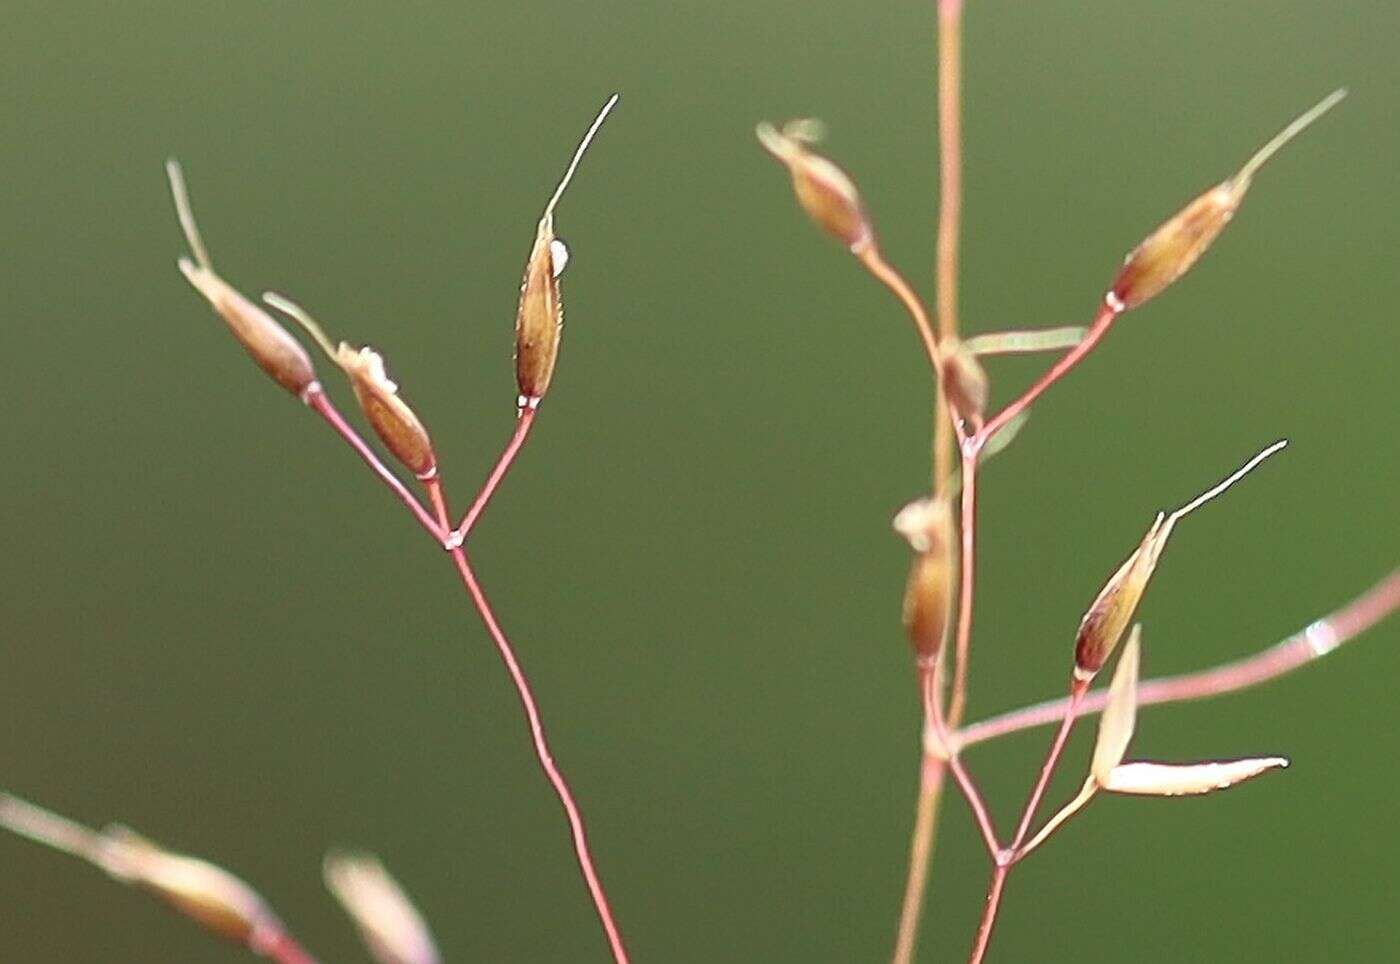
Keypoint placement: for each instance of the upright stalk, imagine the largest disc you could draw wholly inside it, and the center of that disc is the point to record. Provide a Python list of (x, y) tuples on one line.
[(931, 769), (967, 529)]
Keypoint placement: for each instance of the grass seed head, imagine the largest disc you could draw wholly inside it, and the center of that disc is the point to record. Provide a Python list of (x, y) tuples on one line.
[(539, 317), (269, 344), (928, 594), (824, 191), (1171, 250), (397, 425)]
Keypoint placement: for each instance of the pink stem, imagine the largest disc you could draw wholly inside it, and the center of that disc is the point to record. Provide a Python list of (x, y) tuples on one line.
[(967, 527), (989, 913), (537, 734), (1006, 859), (1077, 691), (284, 949), (1102, 322), (929, 679), (316, 398), (503, 464), (1318, 639)]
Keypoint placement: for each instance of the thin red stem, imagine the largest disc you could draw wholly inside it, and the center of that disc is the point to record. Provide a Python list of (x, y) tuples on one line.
[(1052, 759), (989, 913), (1108, 312), (537, 734), (1318, 639), (967, 528), (933, 713), (546, 758), (503, 464), (316, 398), (1006, 859)]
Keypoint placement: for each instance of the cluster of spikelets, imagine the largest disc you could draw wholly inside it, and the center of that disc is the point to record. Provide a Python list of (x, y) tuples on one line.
[(538, 328), (392, 929), (831, 199)]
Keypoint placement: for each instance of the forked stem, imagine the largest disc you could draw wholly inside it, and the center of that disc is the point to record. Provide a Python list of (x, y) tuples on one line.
[(318, 401), (523, 423), (537, 731)]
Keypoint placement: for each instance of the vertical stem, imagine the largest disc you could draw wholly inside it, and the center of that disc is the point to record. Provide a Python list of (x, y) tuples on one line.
[(921, 846), (967, 528), (922, 841), (949, 162)]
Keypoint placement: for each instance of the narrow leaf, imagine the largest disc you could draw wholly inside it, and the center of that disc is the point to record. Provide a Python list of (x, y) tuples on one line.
[(1175, 780), (1025, 342), (1119, 712)]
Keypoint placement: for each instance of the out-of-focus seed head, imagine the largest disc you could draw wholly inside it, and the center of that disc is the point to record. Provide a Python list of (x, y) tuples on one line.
[(823, 190), (1171, 250), (539, 318), (210, 896), (269, 344), (1113, 608), (928, 594), (964, 381), (388, 922), (397, 426)]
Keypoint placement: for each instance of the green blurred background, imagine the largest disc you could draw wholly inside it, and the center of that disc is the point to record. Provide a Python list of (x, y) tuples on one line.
[(218, 629)]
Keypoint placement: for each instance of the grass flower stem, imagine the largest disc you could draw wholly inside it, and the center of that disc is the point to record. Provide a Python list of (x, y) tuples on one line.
[(517, 440), (1103, 321), (532, 714), (1006, 859), (931, 770), (885, 273), (440, 529), (929, 678), (922, 841)]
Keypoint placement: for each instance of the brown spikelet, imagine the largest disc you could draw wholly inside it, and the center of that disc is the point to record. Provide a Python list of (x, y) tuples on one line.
[(397, 425), (1113, 608), (1171, 250), (267, 342), (539, 318)]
